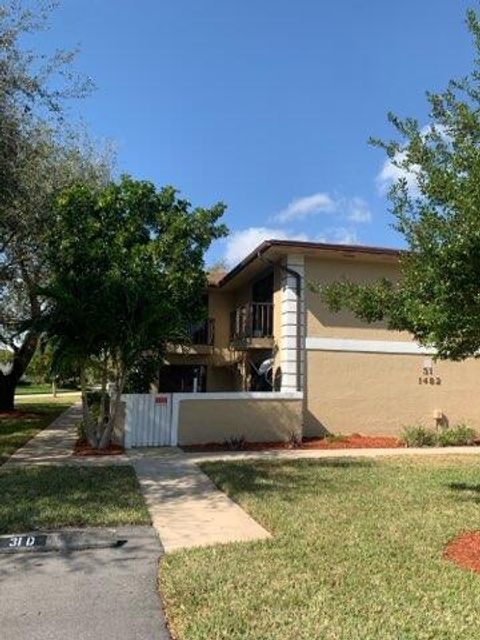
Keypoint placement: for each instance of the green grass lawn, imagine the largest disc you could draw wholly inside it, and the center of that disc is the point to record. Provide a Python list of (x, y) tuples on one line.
[(356, 554), (31, 389), (65, 399), (16, 430), (47, 497)]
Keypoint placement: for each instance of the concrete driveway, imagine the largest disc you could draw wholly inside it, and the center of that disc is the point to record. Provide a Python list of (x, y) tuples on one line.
[(88, 594)]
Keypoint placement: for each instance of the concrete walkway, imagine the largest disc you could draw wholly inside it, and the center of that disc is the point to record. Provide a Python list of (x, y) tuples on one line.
[(186, 508), (54, 445)]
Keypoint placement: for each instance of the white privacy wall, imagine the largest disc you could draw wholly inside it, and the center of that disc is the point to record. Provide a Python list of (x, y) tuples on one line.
[(290, 327)]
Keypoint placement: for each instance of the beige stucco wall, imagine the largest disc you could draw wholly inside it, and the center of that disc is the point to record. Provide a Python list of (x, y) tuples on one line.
[(323, 323), (220, 304), (203, 421), (381, 393)]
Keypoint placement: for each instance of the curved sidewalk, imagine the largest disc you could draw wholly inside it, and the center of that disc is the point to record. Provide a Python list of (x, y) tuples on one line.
[(54, 445)]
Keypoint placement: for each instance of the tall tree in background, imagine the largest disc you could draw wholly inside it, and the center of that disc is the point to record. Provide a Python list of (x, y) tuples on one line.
[(436, 204), (126, 277), (39, 157)]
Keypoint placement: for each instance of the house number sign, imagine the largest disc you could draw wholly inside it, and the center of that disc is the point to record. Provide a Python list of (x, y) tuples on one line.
[(17, 542), (428, 375)]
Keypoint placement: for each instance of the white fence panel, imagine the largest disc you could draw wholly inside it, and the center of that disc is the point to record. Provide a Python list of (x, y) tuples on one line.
[(148, 420)]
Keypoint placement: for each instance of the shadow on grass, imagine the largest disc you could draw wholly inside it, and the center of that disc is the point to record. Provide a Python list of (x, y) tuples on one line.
[(464, 486), (465, 491), (262, 476), (48, 497)]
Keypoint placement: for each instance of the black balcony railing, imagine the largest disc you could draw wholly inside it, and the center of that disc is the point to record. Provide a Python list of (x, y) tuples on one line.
[(252, 320), (203, 333)]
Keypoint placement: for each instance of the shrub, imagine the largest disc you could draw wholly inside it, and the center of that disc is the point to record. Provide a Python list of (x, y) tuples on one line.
[(458, 435), (94, 398), (295, 439), (419, 436), (235, 443), (81, 431), (334, 437)]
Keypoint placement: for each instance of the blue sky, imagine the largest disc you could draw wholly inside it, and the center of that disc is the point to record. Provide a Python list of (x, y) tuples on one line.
[(266, 105)]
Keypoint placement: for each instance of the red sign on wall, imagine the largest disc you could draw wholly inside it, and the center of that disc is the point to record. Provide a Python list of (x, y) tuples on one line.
[(161, 400)]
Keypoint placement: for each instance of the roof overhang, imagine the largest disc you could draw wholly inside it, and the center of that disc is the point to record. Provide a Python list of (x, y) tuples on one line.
[(272, 251)]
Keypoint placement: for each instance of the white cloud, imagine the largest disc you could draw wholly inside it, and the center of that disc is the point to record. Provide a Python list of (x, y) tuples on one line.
[(354, 209), (358, 210), (349, 213), (300, 208), (240, 243), (339, 235), (392, 171)]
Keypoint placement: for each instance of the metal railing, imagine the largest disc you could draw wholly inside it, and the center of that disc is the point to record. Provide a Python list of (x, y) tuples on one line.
[(252, 320)]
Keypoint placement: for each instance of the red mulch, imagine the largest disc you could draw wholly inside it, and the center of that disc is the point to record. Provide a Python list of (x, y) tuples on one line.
[(83, 448), (464, 550), (354, 441)]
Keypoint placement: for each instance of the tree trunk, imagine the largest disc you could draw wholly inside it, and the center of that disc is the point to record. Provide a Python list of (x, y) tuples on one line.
[(103, 398), (20, 360), (88, 422), (7, 393), (107, 433)]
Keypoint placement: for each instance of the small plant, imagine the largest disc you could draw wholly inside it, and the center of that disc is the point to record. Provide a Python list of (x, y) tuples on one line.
[(419, 436), (81, 431), (235, 443), (334, 437), (295, 439), (457, 436)]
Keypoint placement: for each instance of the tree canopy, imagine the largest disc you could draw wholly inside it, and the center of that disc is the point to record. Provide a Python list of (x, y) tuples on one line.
[(40, 155), (126, 275), (436, 206)]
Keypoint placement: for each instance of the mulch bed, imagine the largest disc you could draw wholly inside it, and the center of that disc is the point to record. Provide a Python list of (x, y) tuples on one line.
[(354, 441), (83, 448), (464, 550)]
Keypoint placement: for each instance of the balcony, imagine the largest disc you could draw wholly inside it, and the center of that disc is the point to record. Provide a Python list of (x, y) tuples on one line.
[(252, 323)]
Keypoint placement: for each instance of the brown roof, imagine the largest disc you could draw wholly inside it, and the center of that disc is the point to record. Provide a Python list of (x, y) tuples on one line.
[(310, 246), (215, 276)]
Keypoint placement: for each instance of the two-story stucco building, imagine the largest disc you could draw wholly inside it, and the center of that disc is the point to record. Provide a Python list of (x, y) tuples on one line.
[(268, 332)]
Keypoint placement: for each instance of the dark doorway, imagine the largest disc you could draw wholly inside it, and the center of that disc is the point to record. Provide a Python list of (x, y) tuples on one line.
[(262, 290), (177, 378)]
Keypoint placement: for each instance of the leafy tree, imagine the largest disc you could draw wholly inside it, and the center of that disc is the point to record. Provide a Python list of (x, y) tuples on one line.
[(52, 166), (39, 157), (126, 277), (40, 366), (33, 88), (436, 204)]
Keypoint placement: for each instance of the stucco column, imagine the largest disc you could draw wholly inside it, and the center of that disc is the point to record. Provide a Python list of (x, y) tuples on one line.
[(292, 324)]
